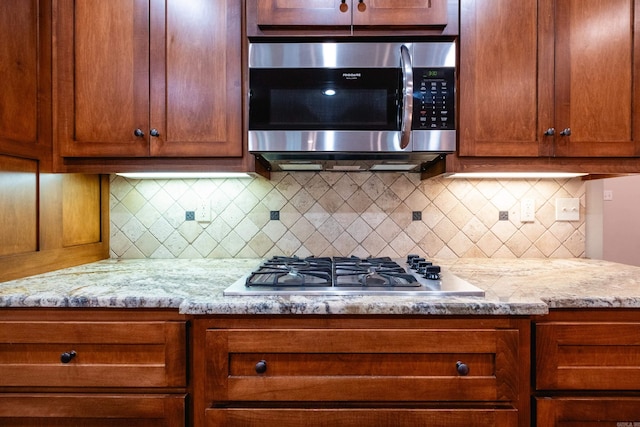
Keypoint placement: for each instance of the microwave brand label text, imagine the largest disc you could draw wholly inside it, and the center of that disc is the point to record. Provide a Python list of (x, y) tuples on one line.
[(351, 76)]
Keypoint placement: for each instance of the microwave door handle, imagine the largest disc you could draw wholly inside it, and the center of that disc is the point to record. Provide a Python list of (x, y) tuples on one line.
[(407, 96)]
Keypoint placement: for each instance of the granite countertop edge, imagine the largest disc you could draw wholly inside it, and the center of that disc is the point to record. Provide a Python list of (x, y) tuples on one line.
[(513, 287)]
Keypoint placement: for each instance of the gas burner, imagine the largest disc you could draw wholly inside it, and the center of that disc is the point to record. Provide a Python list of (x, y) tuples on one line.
[(281, 275)]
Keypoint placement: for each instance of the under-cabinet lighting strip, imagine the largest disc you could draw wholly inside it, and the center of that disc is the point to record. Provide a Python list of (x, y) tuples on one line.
[(183, 175), (516, 175)]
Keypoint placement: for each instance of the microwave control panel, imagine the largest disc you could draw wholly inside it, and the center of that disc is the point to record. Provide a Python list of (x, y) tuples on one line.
[(434, 99)]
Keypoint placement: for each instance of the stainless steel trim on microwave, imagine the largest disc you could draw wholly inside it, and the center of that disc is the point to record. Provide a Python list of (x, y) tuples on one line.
[(364, 148)]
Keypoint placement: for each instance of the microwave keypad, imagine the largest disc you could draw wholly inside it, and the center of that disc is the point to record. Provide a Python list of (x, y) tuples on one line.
[(434, 98)]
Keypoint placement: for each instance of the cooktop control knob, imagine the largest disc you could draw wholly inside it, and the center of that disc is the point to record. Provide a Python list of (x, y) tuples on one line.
[(432, 272)]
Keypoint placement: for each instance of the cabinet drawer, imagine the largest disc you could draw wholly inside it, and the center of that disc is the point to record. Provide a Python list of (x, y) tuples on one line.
[(361, 417), (591, 411), (92, 410), (361, 365), (107, 354), (588, 356)]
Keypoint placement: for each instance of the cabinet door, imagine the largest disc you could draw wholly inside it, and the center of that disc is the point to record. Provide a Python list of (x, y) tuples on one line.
[(92, 410), (414, 13), (316, 365), (499, 78), (588, 356), (196, 79), (588, 411), (92, 354), (102, 77), (25, 67), (281, 13), (361, 417), (597, 59)]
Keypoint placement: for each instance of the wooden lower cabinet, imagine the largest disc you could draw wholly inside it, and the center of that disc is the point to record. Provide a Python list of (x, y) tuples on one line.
[(75, 367), (588, 411), (586, 368), (101, 410), (280, 371), (361, 417)]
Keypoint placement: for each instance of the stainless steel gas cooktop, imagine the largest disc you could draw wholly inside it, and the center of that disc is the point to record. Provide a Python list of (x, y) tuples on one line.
[(351, 276)]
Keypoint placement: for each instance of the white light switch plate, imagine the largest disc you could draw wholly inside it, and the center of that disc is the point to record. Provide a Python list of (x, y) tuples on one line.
[(567, 209)]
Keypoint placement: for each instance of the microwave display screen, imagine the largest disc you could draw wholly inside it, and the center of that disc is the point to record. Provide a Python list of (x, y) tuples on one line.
[(324, 99)]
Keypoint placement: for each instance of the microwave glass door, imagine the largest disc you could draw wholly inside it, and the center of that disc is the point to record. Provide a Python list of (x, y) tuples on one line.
[(325, 99)]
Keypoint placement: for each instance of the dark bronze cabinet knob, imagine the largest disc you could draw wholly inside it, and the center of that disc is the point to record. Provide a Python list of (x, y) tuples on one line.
[(67, 357), (462, 368), (261, 367), (566, 132), (154, 132), (138, 133), (550, 132)]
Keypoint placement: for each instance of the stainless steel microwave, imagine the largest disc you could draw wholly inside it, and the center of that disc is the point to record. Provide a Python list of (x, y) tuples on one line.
[(351, 105)]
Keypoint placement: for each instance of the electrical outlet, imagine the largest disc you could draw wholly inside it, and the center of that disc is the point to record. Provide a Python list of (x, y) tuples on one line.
[(203, 212), (527, 210)]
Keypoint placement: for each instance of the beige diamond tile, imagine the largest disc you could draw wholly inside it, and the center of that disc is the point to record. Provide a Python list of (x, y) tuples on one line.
[(402, 244), (488, 188), (460, 244), (373, 187), (302, 201), (204, 244), (331, 229), (562, 230), (232, 187), (232, 215), (359, 201), (316, 244), (259, 215), (190, 230), (303, 229), (345, 215), (402, 187), (274, 200), (246, 202), (288, 187), (416, 201), (460, 188), (445, 230), (432, 215), (317, 187), (232, 243), (317, 215), (433, 187), (374, 216), (274, 230), (289, 215), (331, 201), (303, 178), (489, 244), (416, 230), (460, 216), (503, 230), (388, 230), (288, 244), (547, 244), (431, 244), (260, 187), (345, 244), (373, 244), (474, 229), (359, 230), (518, 244), (261, 244), (218, 229), (474, 252), (345, 187), (148, 215), (445, 201), (161, 201), (133, 201), (503, 252), (388, 201), (402, 216), (119, 187), (360, 177), (246, 229)]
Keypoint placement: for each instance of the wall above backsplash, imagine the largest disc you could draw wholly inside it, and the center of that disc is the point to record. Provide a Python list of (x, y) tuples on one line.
[(328, 214)]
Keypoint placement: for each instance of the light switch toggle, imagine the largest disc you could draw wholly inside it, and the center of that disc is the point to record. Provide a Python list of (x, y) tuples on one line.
[(568, 209)]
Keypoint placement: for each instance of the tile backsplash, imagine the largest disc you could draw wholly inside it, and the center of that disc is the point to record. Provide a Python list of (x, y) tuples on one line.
[(333, 213)]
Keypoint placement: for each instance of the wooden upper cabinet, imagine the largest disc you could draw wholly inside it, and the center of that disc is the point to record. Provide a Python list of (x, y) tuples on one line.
[(140, 78), (25, 67), (548, 78), (498, 78), (596, 57), (346, 17)]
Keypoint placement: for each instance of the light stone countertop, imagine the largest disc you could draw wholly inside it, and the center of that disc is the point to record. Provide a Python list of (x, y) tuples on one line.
[(512, 287)]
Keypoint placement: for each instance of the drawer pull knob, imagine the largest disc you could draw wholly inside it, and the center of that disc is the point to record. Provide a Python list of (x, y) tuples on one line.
[(261, 367), (67, 357), (154, 132), (462, 368)]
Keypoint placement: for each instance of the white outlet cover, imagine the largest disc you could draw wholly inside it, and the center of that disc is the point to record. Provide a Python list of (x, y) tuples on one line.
[(568, 209), (527, 210)]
